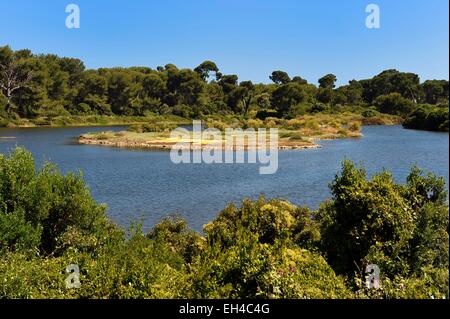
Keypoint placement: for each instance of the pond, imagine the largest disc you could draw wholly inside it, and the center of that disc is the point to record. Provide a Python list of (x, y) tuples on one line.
[(142, 185)]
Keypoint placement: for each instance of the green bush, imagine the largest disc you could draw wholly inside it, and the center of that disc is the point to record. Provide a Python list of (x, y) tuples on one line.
[(84, 108), (254, 124), (320, 108), (401, 228), (152, 127), (293, 136), (23, 277), (135, 268), (18, 234), (354, 126), (294, 124), (371, 112), (271, 221), (44, 203), (251, 269), (427, 117), (259, 251), (299, 110), (431, 284), (394, 103), (217, 125), (3, 122), (175, 233)]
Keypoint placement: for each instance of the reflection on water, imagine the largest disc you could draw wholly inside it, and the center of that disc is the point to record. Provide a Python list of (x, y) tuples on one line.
[(139, 184)]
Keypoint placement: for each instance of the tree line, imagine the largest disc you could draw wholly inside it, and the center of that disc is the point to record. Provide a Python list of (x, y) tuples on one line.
[(34, 85)]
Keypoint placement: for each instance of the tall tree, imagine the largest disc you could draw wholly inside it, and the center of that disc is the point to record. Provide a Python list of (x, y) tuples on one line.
[(299, 80), (280, 77), (206, 68), (247, 95), (326, 86), (327, 82), (12, 76), (288, 95), (435, 90)]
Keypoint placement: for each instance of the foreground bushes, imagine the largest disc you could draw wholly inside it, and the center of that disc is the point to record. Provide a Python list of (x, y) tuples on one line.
[(41, 209), (401, 228), (258, 250), (261, 249)]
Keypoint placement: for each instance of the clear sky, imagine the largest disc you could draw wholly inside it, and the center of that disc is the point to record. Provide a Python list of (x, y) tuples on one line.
[(250, 38)]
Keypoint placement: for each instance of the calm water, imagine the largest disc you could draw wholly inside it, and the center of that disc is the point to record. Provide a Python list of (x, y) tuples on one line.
[(145, 185)]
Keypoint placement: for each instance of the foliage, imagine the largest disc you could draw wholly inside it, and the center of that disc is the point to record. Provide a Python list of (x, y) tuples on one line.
[(427, 117), (44, 205), (393, 103), (50, 87), (152, 127), (260, 249), (401, 228)]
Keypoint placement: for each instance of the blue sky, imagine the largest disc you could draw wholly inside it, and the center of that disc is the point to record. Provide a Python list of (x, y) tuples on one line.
[(250, 38)]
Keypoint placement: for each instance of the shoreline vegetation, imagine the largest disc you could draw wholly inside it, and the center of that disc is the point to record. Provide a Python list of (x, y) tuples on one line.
[(155, 141), (50, 91), (90, 120), (299, 133), (259, 249)]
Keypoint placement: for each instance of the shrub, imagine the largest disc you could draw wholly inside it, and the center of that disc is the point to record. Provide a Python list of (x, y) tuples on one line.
[(3, 122), (175, 233), (23, 277), (320, 108), (42, 121), (18, 234), (299, 110), (103, 135), (431, 285), (371, 112), (263, 114), (136, 268), (254, 124), (44, 203), (84, 108), (294, 136), (363, 214), (152, 127), (401, 228), (312, 125), (295, 124), (393, 103), (217, 125), (255, 252), (269, 220), (251, 269), (429, 118), (354, 126)]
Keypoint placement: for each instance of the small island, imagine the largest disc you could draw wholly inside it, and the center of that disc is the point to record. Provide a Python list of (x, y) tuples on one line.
[(294, 134)]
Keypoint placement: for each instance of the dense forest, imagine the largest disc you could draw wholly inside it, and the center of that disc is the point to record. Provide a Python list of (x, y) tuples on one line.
[(259, 249), (46, 86)]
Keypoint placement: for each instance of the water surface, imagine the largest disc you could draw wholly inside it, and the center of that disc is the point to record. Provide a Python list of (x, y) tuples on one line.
[(142, 184)]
